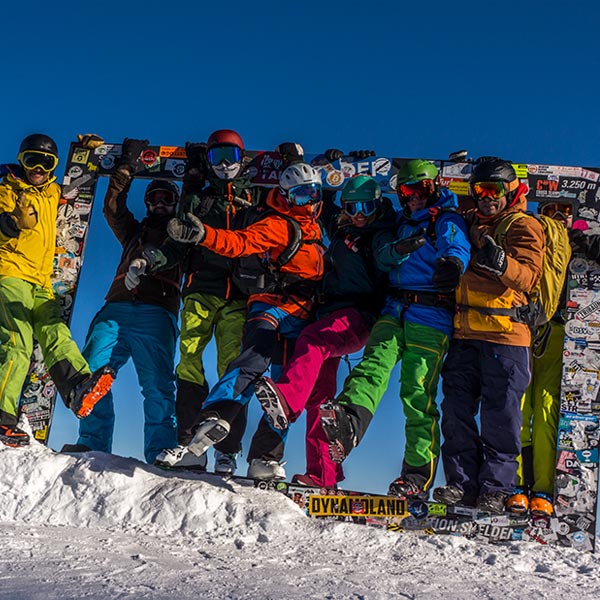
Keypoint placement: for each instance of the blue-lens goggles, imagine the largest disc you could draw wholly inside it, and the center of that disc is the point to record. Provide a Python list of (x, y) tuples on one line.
[(227, 154), (300, 195), (365, 208)]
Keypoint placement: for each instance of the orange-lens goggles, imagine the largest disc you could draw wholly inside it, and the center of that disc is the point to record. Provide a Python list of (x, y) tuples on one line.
[(557, 208), (422, 188), (488, 189)]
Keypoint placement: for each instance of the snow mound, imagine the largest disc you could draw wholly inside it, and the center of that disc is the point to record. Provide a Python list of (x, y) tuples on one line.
[(100, 526), (105, 491)]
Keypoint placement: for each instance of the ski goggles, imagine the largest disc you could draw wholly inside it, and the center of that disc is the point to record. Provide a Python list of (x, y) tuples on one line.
[(557, 210), (227, 154), (164, 197), (422, 188), (366, 208), (31, 159), (488, 189), (301, 195)]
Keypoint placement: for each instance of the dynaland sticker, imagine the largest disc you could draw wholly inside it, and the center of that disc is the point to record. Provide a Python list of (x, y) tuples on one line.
[(357, 506)]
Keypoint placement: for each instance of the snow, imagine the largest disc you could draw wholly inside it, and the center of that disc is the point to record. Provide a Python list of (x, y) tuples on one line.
[(98, 526)]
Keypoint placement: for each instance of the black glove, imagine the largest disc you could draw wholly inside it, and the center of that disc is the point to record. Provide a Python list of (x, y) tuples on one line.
[(447, 274), (120, 179), (290, 153), (196, 165), (130, 153), (360, 154), (412, 243), (332, 154), (491, 257)]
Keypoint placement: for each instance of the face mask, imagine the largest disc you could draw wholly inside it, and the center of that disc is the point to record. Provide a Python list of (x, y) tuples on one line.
[(226, 171)]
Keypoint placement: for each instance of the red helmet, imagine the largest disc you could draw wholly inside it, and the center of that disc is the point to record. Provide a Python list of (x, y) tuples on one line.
[(224, 136)]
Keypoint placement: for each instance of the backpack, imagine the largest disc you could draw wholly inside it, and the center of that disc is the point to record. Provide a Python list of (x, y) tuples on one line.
[(258, 273), (544, 298)]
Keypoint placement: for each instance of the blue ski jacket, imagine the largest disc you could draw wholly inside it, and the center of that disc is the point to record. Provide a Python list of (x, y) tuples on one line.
[(446, 235)]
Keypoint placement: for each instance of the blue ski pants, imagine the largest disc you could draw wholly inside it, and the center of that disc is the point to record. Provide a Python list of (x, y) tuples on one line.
[(146, 334)]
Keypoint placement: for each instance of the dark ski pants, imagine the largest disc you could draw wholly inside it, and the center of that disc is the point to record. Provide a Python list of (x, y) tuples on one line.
[(489, 379), (264, 326)]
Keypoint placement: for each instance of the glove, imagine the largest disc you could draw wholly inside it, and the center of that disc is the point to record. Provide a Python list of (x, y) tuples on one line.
[(447, 274), (333, 154), (491, 257), (412, 243), (360, 154), (578, 241), (137, 268), (196, 165), (130, 153), (290, 153), (120, 179), (90, 140), (190, 232), (24, 215)]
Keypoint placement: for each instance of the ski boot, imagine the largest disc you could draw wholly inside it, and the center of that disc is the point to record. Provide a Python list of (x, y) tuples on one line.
[(208, 433), (266, 470), (13, 436), (492, 502), (338, 429), (518, 502), (448, 494), (405, 487), (180, 459), (273, 403), (225, 464), (85, 395), (541, 505)]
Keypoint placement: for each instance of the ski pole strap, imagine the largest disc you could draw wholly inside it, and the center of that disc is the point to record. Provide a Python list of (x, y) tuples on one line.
[(436, 299)]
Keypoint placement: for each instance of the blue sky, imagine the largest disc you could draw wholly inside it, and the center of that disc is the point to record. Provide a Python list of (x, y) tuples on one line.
[(516, 79)]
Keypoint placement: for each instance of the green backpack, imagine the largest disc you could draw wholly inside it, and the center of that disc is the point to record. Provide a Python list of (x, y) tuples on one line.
[(544, 298)]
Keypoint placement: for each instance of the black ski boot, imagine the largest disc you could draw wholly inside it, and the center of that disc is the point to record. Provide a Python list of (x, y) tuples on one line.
[(92, 389), (448, 494), (492, 502), (338, 429), (13, 436), (407, 487)]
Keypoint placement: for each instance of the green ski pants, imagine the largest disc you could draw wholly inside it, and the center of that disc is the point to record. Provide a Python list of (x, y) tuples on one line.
[(541, 406), (26, 310), (421, 350)]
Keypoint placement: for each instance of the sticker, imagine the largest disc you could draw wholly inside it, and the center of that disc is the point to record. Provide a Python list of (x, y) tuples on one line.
[(80, 156), (172, 152), (148, 157)]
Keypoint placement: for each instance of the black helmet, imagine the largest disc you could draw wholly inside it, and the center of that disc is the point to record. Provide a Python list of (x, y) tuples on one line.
[(39, 142), (165, 186), (492, 168)]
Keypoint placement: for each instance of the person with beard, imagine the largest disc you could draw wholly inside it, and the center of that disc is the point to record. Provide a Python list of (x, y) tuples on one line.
[(139, 319)]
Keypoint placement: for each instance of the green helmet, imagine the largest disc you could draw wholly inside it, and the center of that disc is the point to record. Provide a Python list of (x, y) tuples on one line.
[(416, 170), (360, 189)]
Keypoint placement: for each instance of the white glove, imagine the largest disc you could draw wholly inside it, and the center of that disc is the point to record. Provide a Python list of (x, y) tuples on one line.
[(137, 268), (188, 232)]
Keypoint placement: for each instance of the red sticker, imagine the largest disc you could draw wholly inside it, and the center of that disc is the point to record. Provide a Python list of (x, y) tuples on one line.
[(148, 157)]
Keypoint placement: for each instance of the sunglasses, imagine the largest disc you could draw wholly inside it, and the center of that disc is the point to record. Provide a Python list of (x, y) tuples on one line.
[(366, 208), (301, 195), (488, 189), (164, 197), (422, 188), (227, 154), (31, 159)]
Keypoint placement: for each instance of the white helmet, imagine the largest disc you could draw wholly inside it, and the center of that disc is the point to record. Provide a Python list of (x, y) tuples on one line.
[(299, 174)]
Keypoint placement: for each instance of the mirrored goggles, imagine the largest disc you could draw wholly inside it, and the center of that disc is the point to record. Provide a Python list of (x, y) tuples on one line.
[(31, 159), (488, 189), (227, 154), (422, 188), (301, 195), (366, 208), (164, 197), (557, 210)]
